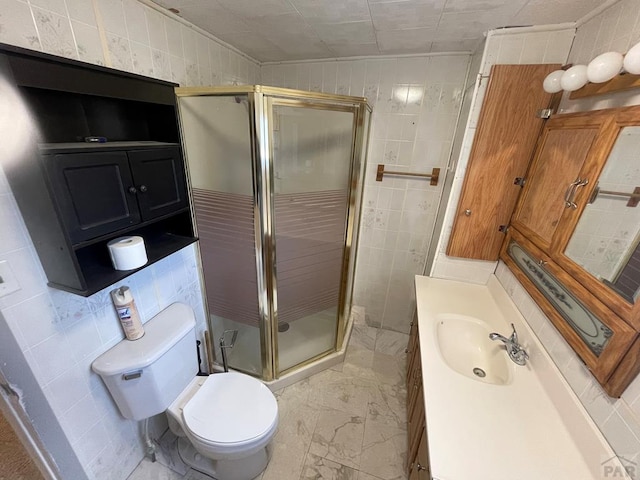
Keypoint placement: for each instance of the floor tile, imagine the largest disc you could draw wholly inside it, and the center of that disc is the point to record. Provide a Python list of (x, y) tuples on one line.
[(316, 467), (341, 392), (388, 400), (287, 460), (391, 343), (363, 336), (389, 369), (384, 448), (148, 470), (338, 437), (366, 476)]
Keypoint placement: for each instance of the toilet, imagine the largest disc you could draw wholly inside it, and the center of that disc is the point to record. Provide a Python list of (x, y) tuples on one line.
[(225, 422)]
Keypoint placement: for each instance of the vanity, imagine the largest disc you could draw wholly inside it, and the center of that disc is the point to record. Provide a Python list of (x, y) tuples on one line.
[(474, 413)]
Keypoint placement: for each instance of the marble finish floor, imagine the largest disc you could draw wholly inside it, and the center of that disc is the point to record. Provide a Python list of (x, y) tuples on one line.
[(345, 423)]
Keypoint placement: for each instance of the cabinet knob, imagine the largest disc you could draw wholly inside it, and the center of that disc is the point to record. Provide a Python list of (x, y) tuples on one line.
[(467, 212), (420, 467), (143, 188), (542, 263), (133, 190)]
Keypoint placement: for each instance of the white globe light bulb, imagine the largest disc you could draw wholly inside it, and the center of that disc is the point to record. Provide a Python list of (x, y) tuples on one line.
[(604, 67), (632, 60), (574, 78), (551, 82)]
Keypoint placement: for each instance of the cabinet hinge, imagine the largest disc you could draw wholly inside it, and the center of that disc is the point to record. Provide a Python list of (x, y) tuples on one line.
[(544, 113), (503, 228), (519, 181)]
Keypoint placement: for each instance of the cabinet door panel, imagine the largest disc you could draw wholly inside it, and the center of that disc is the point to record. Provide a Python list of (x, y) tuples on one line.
[(92, 191), (502, 148), (422, 457), (159, 179), (557, 165)]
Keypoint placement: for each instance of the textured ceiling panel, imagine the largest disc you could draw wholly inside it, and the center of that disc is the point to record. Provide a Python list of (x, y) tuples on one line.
[(279, 30), (405, 14)]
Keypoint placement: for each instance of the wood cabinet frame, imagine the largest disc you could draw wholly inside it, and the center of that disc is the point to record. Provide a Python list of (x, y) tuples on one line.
[(619, 363), (609, 123), (624, 335)]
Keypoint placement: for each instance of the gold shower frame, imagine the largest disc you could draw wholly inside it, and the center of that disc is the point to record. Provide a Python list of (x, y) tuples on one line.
[(261, 100)]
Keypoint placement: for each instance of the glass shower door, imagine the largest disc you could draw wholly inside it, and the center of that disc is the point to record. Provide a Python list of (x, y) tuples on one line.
[(217, 142), (311, 166)]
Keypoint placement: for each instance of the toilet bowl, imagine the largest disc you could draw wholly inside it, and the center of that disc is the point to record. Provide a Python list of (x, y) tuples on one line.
[(226, 417), (225, 421)]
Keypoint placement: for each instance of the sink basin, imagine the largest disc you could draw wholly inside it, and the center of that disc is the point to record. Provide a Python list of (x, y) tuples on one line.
[(465, 347)]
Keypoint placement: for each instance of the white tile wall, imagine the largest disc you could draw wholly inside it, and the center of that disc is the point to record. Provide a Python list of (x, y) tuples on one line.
[(517, 46), (60, 334), (138, 39), (415, 105)]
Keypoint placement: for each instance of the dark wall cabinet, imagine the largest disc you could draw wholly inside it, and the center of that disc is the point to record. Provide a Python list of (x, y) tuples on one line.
[(75, 196), (99, 192)]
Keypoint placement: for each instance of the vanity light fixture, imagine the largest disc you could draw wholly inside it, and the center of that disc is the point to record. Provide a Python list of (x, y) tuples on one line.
[(604, 67)]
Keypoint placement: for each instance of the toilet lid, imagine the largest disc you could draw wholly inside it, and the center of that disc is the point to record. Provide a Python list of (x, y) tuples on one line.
[(230, 408)]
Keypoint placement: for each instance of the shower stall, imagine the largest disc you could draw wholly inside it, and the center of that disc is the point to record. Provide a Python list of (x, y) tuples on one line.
[(276, 180)]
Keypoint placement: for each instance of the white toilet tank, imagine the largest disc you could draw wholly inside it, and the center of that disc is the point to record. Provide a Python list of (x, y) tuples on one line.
[(145, 376)]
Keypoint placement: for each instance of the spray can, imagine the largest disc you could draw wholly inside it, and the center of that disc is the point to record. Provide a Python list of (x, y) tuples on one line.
[(127, 313)]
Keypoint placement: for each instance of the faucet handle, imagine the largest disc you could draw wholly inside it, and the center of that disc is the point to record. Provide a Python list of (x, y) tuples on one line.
[(514, 334)]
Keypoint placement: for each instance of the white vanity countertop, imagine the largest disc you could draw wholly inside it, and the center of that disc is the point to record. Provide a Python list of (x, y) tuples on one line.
[(532, 428)]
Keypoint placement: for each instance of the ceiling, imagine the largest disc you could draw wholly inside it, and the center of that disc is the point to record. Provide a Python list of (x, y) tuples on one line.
[(278, 30)]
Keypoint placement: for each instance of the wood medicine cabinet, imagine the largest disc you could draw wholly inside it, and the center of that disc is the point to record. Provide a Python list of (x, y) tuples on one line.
[(506, 135), (577, 223)]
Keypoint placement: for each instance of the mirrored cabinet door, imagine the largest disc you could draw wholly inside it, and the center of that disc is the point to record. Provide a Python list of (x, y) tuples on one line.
[(600, 246), (574, 241)]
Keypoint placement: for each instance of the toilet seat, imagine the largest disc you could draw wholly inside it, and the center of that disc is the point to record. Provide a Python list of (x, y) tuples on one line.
[(230, 411)]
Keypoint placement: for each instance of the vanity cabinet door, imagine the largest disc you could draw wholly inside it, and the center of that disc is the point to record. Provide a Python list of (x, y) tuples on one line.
[(414, 379), (419, 469), (412, 346), (553, 179), (416, 425), (417, 452)]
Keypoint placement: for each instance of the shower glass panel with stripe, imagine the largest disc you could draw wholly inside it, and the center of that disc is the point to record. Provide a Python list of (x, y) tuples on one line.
[(276, 180)]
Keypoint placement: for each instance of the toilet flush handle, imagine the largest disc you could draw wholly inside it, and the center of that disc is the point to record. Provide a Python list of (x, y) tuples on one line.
[(132, 375)]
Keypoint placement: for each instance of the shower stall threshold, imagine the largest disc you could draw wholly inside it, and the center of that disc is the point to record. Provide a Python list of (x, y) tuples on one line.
[(323, 363)]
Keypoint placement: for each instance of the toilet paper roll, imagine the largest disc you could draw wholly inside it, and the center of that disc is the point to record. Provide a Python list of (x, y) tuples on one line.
[(127, 253)]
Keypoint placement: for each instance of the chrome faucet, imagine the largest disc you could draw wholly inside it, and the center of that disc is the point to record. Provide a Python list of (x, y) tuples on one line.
[(514, 349)]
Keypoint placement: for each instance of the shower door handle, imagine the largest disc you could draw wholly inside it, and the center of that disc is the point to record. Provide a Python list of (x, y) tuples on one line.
[(233, 339)]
